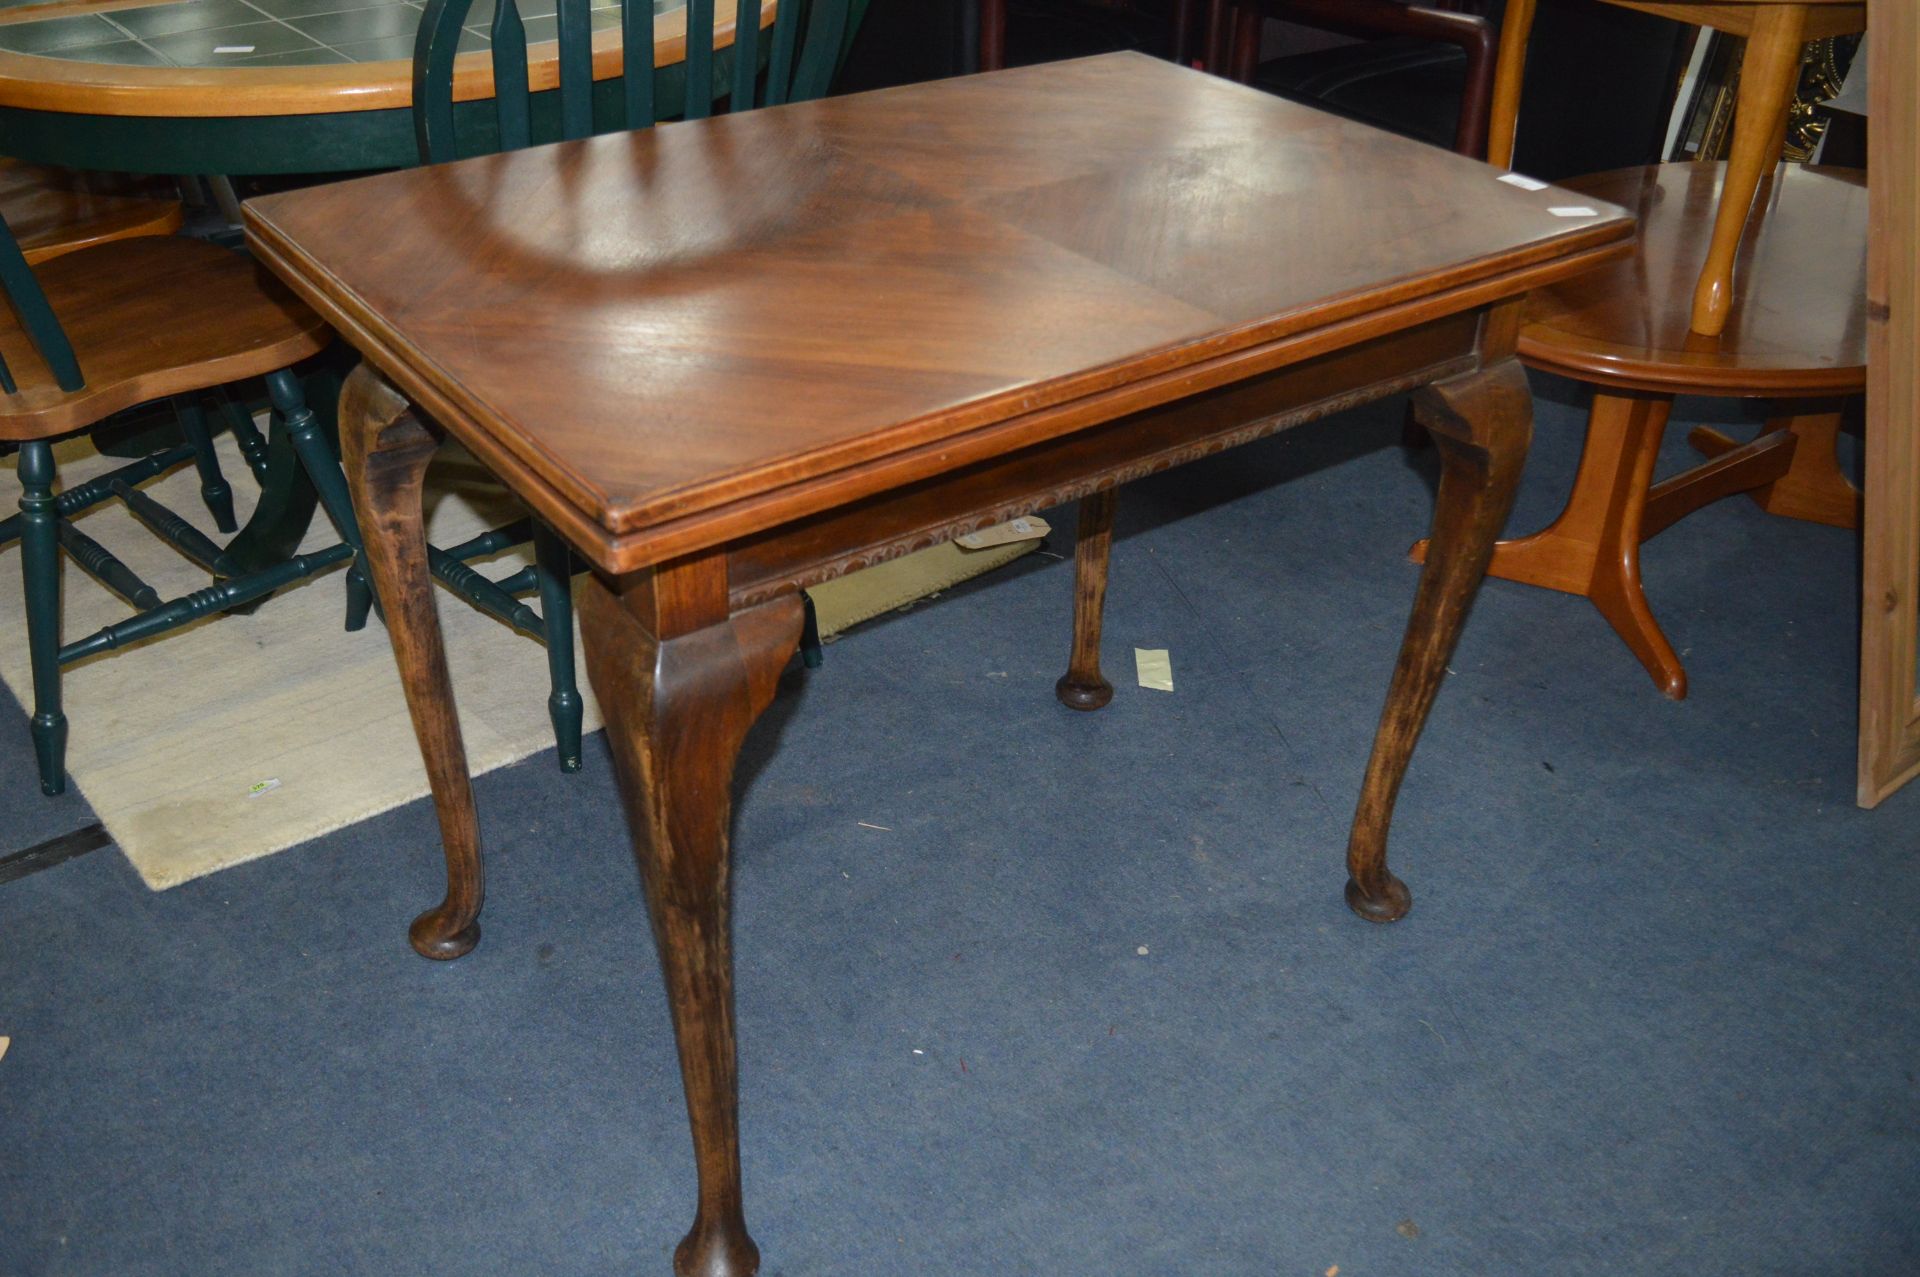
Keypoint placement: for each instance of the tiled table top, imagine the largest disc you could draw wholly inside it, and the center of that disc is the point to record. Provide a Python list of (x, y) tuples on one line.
[(256, 33)]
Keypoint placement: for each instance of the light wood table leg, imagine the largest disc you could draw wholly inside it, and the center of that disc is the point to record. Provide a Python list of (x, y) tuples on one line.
[(680, 682), (1482, 424), (1768, 75), (1593, 547), (1083, 686), (1814, 487), (385, 449)]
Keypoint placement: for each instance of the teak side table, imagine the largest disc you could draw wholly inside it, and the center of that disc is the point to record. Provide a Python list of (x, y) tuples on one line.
[(731, 358)]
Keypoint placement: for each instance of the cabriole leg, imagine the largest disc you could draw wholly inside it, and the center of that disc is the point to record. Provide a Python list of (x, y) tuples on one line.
[(1482, 424), (680, 682), (1083, 686), (386, 450)]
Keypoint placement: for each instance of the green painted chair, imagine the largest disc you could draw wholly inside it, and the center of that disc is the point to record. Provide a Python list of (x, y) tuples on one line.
[(76, 347), (793, 61)]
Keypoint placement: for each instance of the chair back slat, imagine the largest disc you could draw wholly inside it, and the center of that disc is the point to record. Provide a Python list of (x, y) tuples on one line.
[(786, 32), (512, 105), (699, 103), (434, 47), (636, 65), (826, 28), (576, 69), (807, 41), (746, 55), (30, 306)]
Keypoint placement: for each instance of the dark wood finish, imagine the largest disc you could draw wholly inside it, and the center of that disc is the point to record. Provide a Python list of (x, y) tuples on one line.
[(832, 333), (223, 321), (385, 449), (681, 680), (1482, 423), (1083, 686)]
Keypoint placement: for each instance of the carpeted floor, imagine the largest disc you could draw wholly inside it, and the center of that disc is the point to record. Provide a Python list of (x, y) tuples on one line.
[(1089, 1003)]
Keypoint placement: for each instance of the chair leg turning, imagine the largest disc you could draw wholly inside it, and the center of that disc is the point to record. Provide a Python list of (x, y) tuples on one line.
[(40, 574), (308, 434), (564, 706), (1082, 686), (214, 491)]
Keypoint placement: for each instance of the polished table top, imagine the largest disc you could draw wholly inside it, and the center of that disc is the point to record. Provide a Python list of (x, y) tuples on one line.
[(665, 334)]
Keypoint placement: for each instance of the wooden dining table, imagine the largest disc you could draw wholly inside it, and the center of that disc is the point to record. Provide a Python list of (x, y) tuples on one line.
[(222, 87), (732, 358)]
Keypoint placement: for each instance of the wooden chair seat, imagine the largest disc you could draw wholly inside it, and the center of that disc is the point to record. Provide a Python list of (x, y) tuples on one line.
[(53, 211), (1798, 323), (149, 318)]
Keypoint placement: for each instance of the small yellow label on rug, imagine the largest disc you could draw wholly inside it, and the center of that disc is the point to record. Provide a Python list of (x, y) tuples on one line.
[(1154, 667), (262, 787)]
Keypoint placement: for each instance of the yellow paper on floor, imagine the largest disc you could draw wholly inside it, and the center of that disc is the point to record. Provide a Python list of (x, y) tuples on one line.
[(1154, 668)]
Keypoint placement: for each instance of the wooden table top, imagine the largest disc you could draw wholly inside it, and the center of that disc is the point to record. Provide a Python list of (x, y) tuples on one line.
[(672, 338), (187, 58), (1798, 325)]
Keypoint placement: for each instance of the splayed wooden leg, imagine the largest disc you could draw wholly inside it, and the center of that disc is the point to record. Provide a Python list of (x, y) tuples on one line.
[(1593, 547)]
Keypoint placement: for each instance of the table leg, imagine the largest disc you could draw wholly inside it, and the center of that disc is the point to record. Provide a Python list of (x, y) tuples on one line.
[(1082, 686), (1769, 73), (1482, 424), (680, 682), (386, 449)]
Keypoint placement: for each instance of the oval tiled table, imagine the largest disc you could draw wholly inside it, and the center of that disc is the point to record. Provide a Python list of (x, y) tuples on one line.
[(259, 86)]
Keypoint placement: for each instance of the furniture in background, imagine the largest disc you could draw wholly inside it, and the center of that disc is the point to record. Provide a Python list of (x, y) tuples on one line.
[(1889, 728), (1417, 66), (1416, 70), (54, 211), (872, 323), (77, 347), (1726, 298), (147, 89)]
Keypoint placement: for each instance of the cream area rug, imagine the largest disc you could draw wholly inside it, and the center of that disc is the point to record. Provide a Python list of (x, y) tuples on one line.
[(240, 736)]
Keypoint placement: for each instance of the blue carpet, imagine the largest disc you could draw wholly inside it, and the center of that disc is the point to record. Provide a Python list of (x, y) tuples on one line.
[(1089, 1001)]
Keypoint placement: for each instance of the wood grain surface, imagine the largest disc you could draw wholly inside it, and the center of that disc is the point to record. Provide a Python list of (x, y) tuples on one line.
[(819, 302), (1798, 324)]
